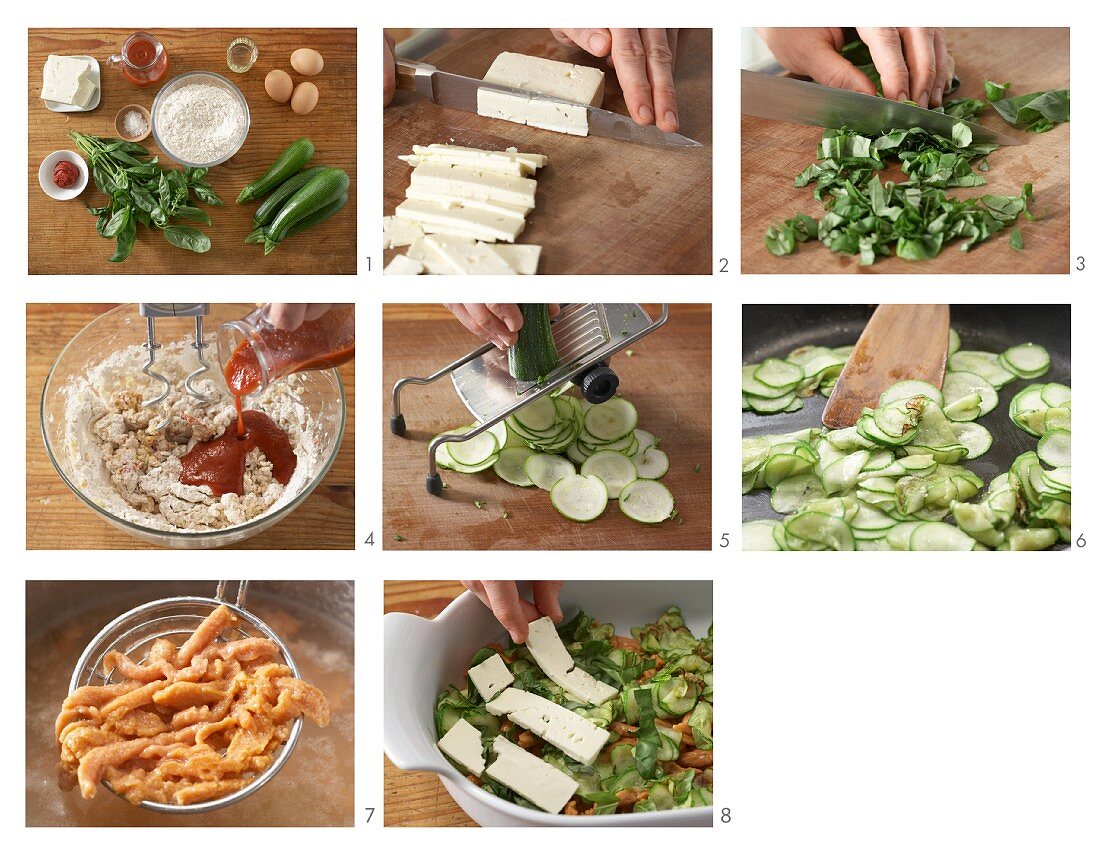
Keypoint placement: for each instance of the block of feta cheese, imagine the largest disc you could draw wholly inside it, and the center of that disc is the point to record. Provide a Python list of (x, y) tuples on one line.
[(552, 656), (462, 743), (576, 83), (491, 677), (572, 734), (528, 776), (66, 79), (546, 115), (402, 264)]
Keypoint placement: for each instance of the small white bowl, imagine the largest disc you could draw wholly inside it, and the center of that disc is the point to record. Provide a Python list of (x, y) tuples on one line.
[(45, 175)]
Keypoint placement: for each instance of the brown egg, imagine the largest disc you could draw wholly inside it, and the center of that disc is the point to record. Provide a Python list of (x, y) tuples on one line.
[(279, 85), (304, 99), (307, 61)]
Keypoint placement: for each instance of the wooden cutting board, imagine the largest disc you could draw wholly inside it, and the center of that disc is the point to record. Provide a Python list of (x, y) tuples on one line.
[(773, 153), (603, 206), (62, 236), (669, 380), (58, 520), (417, 798)]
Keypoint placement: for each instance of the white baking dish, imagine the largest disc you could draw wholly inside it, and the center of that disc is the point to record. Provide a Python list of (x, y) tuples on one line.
[(422, 657)]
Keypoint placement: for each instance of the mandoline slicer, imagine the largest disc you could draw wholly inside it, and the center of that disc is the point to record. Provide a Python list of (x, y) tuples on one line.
[(586, 336)]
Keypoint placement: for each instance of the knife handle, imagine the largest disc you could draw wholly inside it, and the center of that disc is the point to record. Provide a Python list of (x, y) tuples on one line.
[(415, 76)]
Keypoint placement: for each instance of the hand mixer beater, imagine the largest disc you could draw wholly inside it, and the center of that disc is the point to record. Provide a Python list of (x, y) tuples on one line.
[(154, 311)]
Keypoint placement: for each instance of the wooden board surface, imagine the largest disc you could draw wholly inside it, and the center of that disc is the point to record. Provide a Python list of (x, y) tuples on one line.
[(58, 519), (773, 153), (669, 380), (603, 206), (417, 798), (62, 234)]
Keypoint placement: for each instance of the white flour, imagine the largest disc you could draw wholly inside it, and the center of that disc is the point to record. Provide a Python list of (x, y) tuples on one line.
[(133, 472), (200, 122)]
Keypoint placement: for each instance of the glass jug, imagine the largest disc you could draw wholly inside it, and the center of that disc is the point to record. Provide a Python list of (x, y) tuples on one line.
[(143, 59)]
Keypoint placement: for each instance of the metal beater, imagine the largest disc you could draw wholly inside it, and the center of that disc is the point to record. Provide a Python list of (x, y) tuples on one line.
[(175, 618), (586, 336), (152, 312)]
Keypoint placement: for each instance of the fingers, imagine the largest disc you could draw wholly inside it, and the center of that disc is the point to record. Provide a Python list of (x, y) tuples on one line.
[(389, 71), (287, 317), (886, 52), (944, 68), (595, 41), (920, 59), (659, 61), (554, 308), (479, 320), (629, 57), (513, 613), (316, 311), (509, 314), (546, 594), (831, 69)]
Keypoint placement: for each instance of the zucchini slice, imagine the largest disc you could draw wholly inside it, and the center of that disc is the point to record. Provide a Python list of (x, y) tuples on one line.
[(580, 498), (646, 501)]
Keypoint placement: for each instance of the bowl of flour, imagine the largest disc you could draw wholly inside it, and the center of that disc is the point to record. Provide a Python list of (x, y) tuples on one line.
[(200, 119)]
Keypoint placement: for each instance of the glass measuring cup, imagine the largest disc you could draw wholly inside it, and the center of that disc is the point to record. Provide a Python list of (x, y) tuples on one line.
[(142, 60)]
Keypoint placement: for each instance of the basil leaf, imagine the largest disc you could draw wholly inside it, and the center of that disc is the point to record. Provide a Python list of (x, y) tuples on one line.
[(995, 91), (1036, 112), (1016, 240), (649, 740), (189, 238)]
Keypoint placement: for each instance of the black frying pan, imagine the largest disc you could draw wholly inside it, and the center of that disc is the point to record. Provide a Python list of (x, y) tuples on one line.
[(773, 330)]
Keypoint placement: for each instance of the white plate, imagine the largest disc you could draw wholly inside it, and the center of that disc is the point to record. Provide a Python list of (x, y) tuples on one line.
[(421, 658), (45, 175), (54, 106)]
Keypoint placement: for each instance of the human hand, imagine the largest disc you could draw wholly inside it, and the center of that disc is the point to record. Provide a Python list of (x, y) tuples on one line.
[(389, 68), (643, 60), (914, 62), (513, 612), (289, 317), (498, 324)]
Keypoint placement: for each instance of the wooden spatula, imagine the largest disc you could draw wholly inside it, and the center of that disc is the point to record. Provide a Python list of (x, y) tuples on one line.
[(901, 342)]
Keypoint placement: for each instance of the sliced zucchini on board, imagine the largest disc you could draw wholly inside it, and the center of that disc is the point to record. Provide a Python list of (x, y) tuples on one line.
[(651, 463), (646, 501), (546, 470), (511, 465), (475, 450), (614, 469), (612, 420), (580, 498)]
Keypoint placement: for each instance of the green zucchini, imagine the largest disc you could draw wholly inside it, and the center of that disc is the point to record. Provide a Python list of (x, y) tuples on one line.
[(327, 212), (534, 355), (322, 190), (289, 163), (274, 202)]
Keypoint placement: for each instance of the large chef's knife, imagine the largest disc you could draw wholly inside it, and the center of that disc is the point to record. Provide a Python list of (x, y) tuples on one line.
[(801, 102), (457, 92)]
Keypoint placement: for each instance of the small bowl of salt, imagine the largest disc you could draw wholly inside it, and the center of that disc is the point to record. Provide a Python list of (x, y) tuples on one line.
[(200, 119), (133, 122)]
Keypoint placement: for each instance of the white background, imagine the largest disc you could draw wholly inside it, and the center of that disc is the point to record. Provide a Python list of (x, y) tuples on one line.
[(875, 702)]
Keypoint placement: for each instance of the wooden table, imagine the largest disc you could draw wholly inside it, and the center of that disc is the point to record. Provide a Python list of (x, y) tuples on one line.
[(604, 206), (417, 798), (669, 380), (1032, 59), (57, 519), (62, 236)]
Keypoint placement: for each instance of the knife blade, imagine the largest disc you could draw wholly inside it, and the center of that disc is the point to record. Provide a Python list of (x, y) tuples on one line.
[(802, 102), (457, 92)]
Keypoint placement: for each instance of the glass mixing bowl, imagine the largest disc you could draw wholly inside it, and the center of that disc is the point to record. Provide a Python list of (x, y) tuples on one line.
[(209, 78), (320, 391)]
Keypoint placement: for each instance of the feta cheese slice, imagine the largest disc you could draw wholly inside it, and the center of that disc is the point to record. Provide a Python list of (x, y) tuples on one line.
[(546, 647), (462, 743), (402, 264), (573, 735), (528, 776), (427, 256), (509, 161), (509, 211), (546, 115), (523, 258), (465, 181), (578, 83), (491, 676), (397, 233), (462, 221), (470, 258)]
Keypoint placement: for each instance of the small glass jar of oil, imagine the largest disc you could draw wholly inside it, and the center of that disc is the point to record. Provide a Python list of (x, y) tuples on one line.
[(242, 54)]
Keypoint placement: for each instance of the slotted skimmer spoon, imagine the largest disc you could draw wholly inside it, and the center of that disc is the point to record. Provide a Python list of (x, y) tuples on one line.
[(175, 618)]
